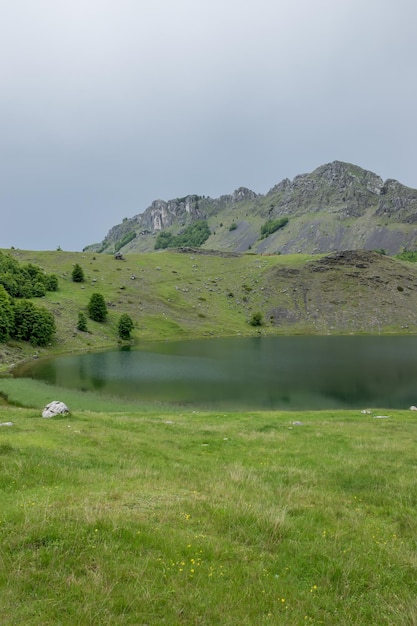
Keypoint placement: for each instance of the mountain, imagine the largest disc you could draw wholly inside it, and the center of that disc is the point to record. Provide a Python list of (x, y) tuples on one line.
[(338, 206)]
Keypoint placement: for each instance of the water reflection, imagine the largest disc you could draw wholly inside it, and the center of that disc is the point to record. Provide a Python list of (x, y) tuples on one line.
[(256, 372)]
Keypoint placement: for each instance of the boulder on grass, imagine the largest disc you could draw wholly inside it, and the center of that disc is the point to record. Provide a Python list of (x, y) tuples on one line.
[(55, 408)]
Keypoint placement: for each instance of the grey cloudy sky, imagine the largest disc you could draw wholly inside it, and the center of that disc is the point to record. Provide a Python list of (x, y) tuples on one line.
[(107, 105)]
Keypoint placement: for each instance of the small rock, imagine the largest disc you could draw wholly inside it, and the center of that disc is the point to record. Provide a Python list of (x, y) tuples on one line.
[(297, 423), (413, 408), (366, 412), (381, 417), (55, 408), (7, 424)]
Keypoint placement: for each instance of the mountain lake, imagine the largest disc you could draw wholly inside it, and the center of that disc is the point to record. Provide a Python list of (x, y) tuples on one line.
[(294, 373)]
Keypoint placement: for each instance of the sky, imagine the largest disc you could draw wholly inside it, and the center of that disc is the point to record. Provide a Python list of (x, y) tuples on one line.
[(107, 105)]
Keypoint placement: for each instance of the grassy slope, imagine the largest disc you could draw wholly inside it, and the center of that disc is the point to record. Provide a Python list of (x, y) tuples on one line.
[(171, 295), (187, 518)]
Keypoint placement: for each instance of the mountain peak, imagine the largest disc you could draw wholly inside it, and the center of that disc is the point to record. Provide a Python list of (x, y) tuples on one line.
[(338, 206)]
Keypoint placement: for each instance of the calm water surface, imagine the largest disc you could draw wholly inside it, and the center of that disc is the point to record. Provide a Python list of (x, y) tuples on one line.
[(261, 372)]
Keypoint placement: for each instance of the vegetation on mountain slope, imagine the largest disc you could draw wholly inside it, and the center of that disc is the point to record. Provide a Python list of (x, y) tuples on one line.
[(338, 206), (171, 295), (194, 235), (20, 318)]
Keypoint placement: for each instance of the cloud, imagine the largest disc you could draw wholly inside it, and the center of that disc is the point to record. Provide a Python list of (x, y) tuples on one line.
[(108, 105)]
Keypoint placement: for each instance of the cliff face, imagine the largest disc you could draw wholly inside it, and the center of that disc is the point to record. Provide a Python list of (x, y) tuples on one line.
[(338, 206), (336, 186)]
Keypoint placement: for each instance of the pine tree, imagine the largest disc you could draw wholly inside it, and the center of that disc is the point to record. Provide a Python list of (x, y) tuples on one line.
[(77, 274), (97, 309), (82, 322), (125, 326)]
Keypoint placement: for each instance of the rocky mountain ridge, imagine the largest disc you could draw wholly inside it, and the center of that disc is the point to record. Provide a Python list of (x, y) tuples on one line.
[(338, 206)]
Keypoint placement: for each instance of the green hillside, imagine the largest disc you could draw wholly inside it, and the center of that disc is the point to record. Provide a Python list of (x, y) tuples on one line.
[(172, 295)]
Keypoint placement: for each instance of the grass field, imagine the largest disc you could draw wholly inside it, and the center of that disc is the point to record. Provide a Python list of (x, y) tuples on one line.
[(151, 515), (172, 516)]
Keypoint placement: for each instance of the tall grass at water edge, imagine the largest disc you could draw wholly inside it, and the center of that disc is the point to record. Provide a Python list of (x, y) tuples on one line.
[(184, 517)]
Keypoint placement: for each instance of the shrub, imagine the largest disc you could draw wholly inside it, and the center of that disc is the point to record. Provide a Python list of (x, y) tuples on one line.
[(39, 289), (271, 226), (82, 322), (233, 226), (256, 319), (77, 274), (164, 240), (124, 240), (407, 255), (194, 236), (51, 282), (125, 326), (25, 281), (32, 323), (97, 309), (6, 315)]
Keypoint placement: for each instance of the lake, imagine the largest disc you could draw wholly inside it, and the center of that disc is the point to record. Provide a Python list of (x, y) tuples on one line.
[(249, 373)]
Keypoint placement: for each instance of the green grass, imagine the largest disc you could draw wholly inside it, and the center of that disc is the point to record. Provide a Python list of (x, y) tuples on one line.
[(135, 515), (171, 295), (162, 292), (25, 392), (207, 518)]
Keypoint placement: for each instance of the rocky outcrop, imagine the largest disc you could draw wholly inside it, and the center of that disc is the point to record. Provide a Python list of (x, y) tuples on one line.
[(336, 186), (338, 206), (398, 202), (55, 408), (164, 214)]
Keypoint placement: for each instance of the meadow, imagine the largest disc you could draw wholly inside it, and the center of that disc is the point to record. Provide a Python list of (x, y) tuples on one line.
[(171, 516), (145, 515)]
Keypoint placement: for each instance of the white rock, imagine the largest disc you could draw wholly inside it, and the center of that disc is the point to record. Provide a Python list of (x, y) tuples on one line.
[(413, 408), (381, 417), (7, 424), (55, 408)]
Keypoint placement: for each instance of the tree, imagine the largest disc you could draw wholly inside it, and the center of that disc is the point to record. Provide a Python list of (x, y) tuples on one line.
[(97, 309), (25, 281), (82, 322), (32, 323), (164, 240), (6, 315), (194, 235), (271, 226), (77, 274), (125, 326), (51, 282)]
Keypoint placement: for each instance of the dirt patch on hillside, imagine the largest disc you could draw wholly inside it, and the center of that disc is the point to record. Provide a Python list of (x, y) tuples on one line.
[(350, 291), (188, 250)]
